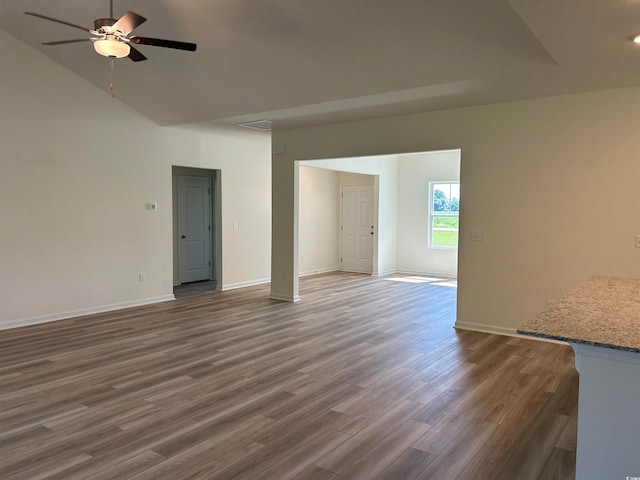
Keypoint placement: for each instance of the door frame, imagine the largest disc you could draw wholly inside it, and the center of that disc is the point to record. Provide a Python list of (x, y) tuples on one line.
[(374, 215), (185, 184), (215, 213)]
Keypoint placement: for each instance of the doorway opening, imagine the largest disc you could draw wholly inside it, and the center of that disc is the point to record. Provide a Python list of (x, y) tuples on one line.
[(410, 237), (197, 246)]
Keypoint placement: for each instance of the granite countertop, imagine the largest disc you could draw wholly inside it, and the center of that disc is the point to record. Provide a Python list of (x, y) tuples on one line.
[(604, 311)]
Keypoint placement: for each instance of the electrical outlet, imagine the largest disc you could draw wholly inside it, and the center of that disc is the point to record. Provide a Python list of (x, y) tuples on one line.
[(141, 277), (637, 241), (477, 236), (235, 225)]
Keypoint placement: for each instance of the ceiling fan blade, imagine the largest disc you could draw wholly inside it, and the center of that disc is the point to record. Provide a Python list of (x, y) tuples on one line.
[(57, 21), (160, 42), (135, 55), (128, 22), (61, 42)]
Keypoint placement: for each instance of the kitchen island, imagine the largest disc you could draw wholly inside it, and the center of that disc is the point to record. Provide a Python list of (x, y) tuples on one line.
[(601, 321)]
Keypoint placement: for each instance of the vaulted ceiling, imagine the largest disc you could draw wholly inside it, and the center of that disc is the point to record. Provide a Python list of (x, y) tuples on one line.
[(303, 62)]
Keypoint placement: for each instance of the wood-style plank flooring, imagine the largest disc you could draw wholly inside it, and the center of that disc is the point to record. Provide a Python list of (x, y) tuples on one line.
[(363, 379)]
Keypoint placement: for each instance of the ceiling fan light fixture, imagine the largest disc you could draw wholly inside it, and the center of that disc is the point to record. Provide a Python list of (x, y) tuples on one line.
[(111, 48)]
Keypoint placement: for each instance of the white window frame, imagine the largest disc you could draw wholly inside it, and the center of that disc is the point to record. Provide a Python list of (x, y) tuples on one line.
[(431, 215)]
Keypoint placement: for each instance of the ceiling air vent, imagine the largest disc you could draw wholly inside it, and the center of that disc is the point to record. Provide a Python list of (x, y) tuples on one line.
[(257, 125)]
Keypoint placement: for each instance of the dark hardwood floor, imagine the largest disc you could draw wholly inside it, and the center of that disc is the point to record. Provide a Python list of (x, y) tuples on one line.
[(363, 379)]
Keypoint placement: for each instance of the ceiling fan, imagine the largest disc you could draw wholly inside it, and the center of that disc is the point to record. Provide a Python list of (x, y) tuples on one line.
[(112, 38)]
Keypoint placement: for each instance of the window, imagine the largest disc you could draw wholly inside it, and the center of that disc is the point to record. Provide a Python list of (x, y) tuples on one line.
[(444, 205)]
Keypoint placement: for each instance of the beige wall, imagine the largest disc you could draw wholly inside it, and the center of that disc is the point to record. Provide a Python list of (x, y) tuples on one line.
[(551, 182), (77, 170), (347, 178), (415, 173), (319, 220)]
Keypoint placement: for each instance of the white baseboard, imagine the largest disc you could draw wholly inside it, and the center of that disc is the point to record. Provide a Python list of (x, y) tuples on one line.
[(84, 311), (285, 298), (511, 332), (414, 272), (481, 327), (384, 274), (318, 272), (427, 274), (250, 283)]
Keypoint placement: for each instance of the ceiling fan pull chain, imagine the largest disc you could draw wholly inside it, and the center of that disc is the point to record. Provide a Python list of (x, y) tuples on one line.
[(111, 65)]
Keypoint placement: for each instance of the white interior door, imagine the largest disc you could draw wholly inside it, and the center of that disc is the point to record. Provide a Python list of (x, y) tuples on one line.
[(194, 228), (357, 228)]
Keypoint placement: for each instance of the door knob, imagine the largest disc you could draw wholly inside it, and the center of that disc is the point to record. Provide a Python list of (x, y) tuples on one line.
[(183, 236)]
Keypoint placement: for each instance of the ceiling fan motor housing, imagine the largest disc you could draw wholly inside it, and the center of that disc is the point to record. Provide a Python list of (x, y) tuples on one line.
[(103, 22)]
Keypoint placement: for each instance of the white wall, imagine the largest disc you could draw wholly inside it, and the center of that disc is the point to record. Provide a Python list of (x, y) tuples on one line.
[(551, 182), (415, 173), (77, 170), (319, 213)]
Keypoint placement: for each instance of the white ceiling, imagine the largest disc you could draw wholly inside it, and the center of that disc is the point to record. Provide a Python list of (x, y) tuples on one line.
[(303, 62)]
